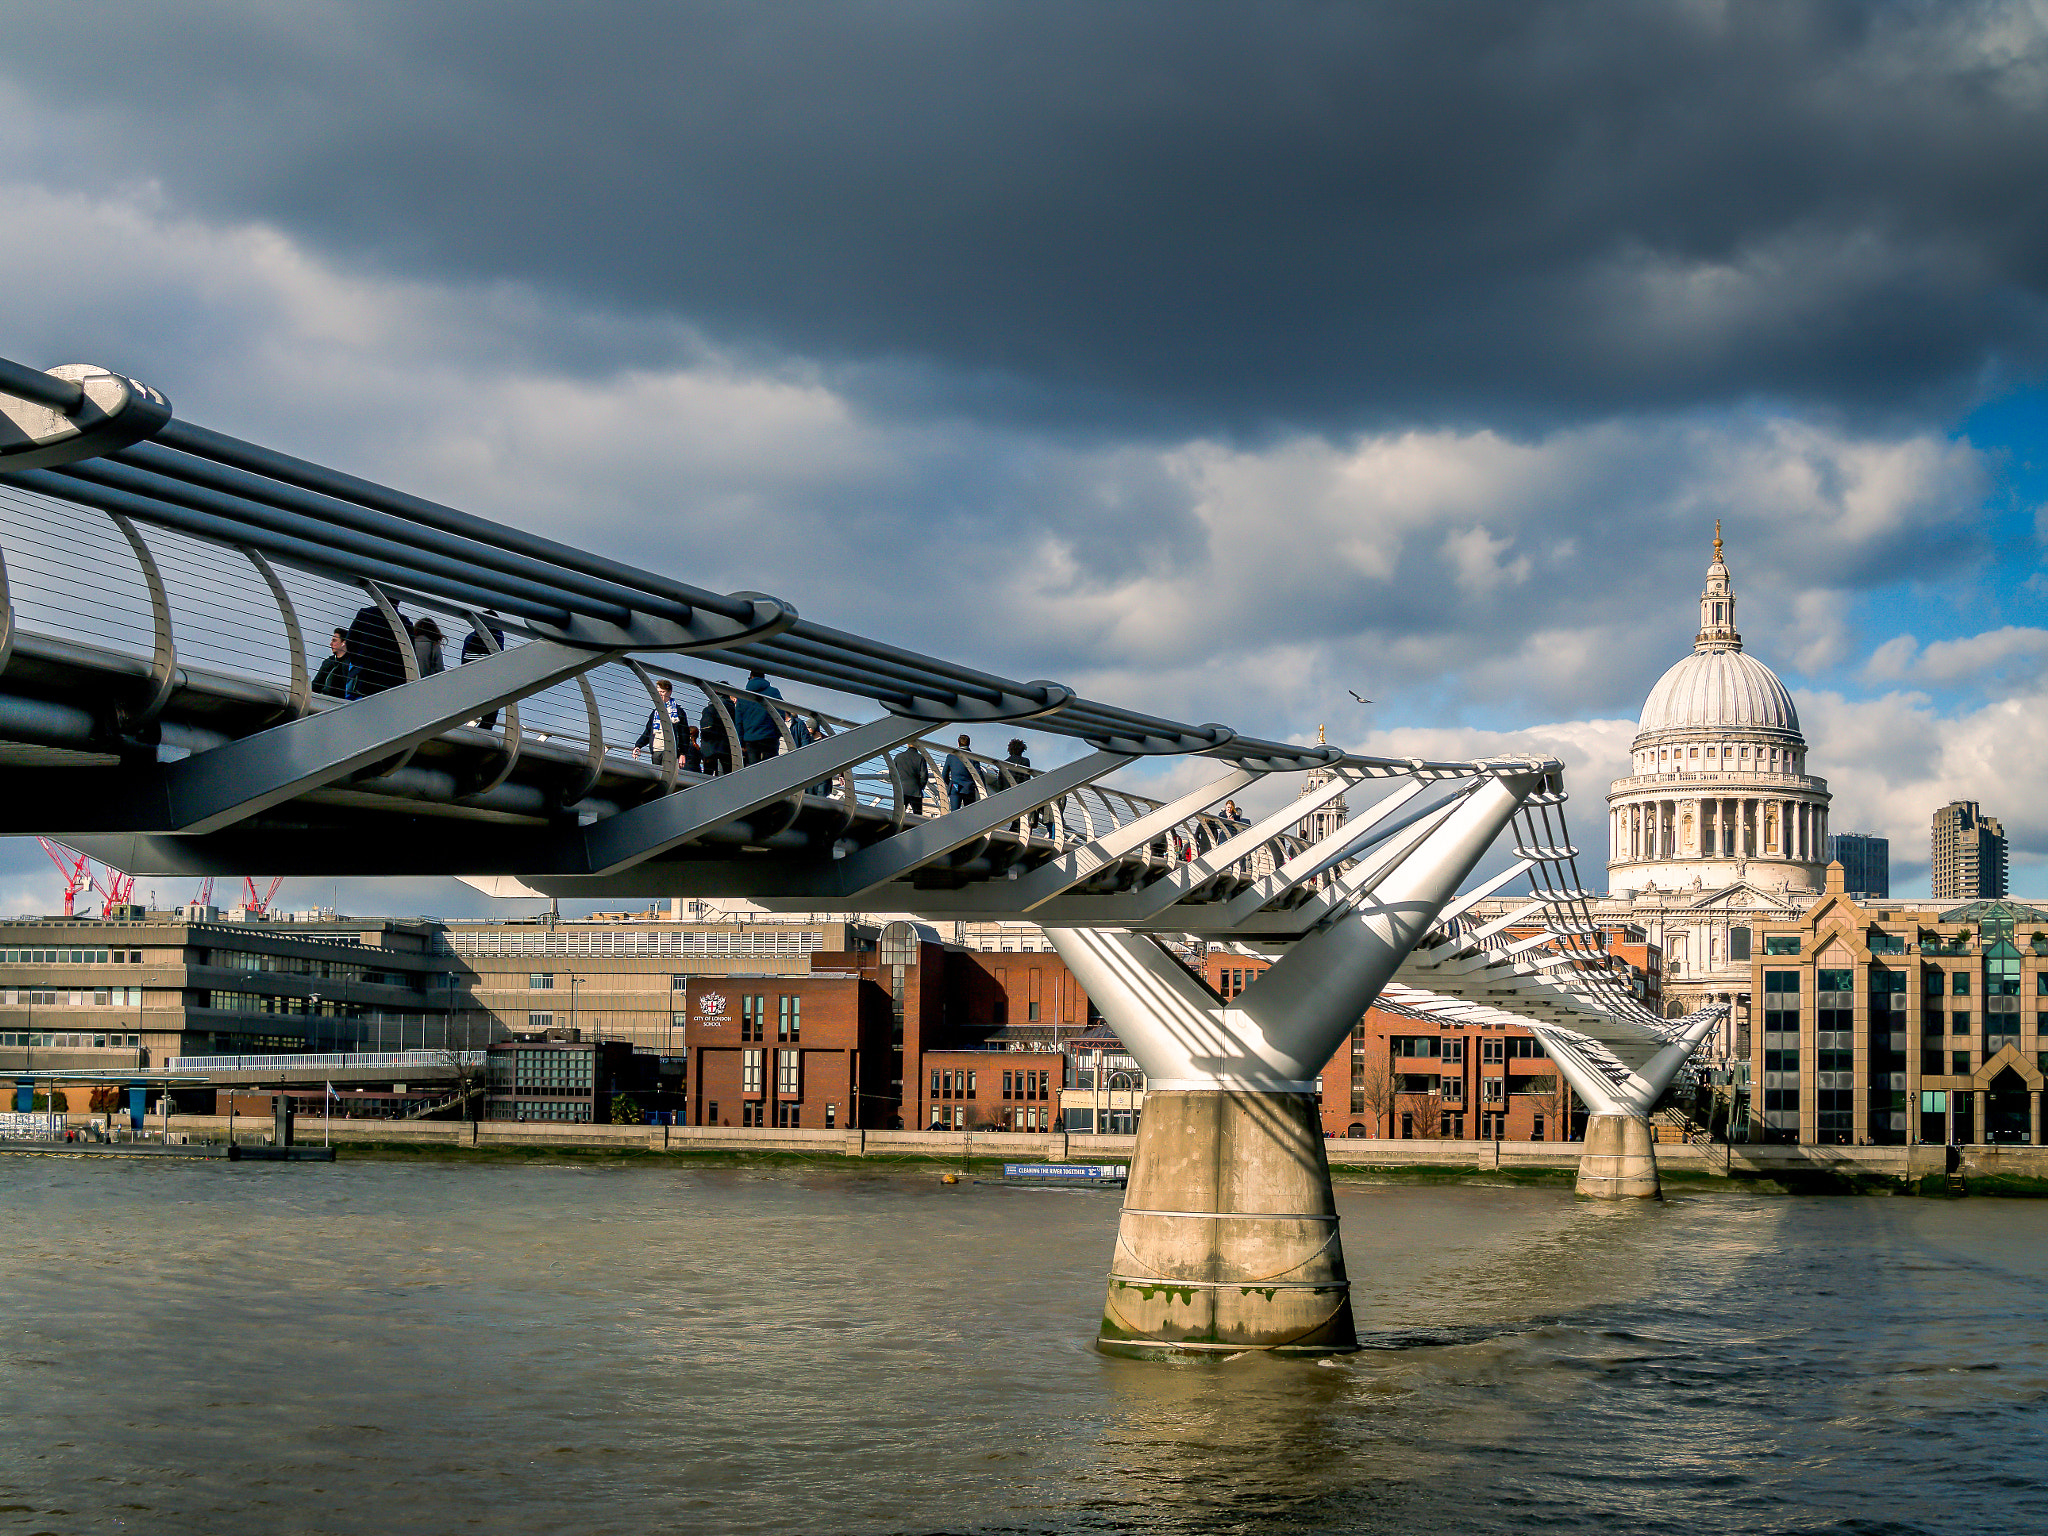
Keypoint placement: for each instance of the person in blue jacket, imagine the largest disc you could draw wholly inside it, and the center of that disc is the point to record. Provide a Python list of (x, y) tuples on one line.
[(962, 787), (759, 737)]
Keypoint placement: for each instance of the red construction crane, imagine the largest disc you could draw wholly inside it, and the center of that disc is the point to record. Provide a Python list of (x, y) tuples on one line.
[(115, 891), (114, 887), (74, 866), (259, 905)]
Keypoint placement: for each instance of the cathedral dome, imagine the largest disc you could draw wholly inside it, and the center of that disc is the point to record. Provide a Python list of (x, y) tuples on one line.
[(1717, 689)]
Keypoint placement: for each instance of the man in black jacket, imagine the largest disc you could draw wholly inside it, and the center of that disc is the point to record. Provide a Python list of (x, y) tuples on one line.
[(375, 650)]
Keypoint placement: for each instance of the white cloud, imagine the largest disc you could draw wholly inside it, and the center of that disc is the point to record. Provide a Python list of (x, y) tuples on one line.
[(2012, 651)]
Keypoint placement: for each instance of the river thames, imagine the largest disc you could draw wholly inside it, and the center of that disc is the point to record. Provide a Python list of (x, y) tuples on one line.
[(387, 1347)]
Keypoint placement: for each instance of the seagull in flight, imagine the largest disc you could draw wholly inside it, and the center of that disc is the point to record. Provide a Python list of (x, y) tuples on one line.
[(1358, 696)]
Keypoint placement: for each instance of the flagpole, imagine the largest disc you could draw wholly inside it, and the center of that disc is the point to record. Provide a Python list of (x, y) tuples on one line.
[(327, 1116)]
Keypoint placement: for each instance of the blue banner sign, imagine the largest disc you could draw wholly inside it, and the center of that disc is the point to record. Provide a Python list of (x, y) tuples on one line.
[(1065, 1170)]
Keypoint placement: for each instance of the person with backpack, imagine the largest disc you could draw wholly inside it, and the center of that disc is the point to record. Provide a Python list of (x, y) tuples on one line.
[(759, 736)]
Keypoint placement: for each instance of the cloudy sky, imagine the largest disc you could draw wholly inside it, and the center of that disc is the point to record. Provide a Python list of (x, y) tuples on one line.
[(1216, 359)]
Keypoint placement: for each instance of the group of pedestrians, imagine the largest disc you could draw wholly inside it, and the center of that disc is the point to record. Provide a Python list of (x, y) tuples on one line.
[(965, 781), (365, 658), (707, 747)]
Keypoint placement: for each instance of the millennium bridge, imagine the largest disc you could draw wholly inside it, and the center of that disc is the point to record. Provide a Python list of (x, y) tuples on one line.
[(165, 590)]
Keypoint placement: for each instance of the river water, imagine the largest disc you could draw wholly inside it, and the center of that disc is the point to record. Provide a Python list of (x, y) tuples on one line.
[(398, 1348)]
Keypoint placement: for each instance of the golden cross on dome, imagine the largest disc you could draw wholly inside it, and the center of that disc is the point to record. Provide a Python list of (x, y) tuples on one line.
[(1717, 541), (1319, 737)]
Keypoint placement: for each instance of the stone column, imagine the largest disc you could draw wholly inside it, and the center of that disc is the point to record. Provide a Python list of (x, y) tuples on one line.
[(2034, 1118), (1229, 1234), (1620, 1160)]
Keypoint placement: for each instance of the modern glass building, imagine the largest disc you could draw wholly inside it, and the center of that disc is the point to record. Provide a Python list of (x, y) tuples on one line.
[(1866, 861)]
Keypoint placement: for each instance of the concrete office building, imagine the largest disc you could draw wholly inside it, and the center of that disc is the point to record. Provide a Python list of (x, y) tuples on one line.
[(1969, 854), (144, 988), (1866, 861)]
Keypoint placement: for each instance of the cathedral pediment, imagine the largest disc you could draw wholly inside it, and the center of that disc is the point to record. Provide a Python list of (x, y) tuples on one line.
[(1747, 897)]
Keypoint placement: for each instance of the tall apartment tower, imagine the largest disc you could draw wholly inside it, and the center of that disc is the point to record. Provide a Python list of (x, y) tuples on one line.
[(1866, 861), (1969, 854)]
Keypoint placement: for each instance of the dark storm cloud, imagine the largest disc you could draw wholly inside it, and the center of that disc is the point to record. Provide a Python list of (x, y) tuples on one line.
[(1202, 217)]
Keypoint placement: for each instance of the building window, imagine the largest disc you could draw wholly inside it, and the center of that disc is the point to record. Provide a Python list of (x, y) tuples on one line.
[(1536, 1123), (541, 981), (753, 1017), (1781, 944), (1492, 1051), (750, 1071), (711, 1113), (752, 1113), (1961, 1066), (540, 1021), (789, 1020), (789, 1073), (1959, 983)]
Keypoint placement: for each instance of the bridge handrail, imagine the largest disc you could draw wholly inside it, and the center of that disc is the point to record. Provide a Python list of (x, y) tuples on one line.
[(340, 1061), (222, 490)]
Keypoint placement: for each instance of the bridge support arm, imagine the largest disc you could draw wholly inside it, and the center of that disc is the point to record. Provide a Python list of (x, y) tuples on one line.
[(620, 841), (1229, 1232), (214, 789)]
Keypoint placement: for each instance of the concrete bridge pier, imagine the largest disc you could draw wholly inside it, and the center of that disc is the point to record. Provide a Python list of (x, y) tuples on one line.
[(1620, 1160), (1228, 1240)]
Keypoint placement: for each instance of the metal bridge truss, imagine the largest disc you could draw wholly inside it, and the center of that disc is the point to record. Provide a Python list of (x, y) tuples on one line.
[(166, 591)]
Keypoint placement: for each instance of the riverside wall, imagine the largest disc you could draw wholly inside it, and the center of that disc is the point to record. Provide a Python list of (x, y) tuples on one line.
[(1346, 1156)]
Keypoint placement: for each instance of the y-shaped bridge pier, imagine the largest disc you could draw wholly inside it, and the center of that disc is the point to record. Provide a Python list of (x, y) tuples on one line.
[(163, 586)]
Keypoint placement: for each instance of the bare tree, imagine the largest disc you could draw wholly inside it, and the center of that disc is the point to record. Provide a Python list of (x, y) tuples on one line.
[(1376, 1090), (1428, 1110), (1556, 1103)]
